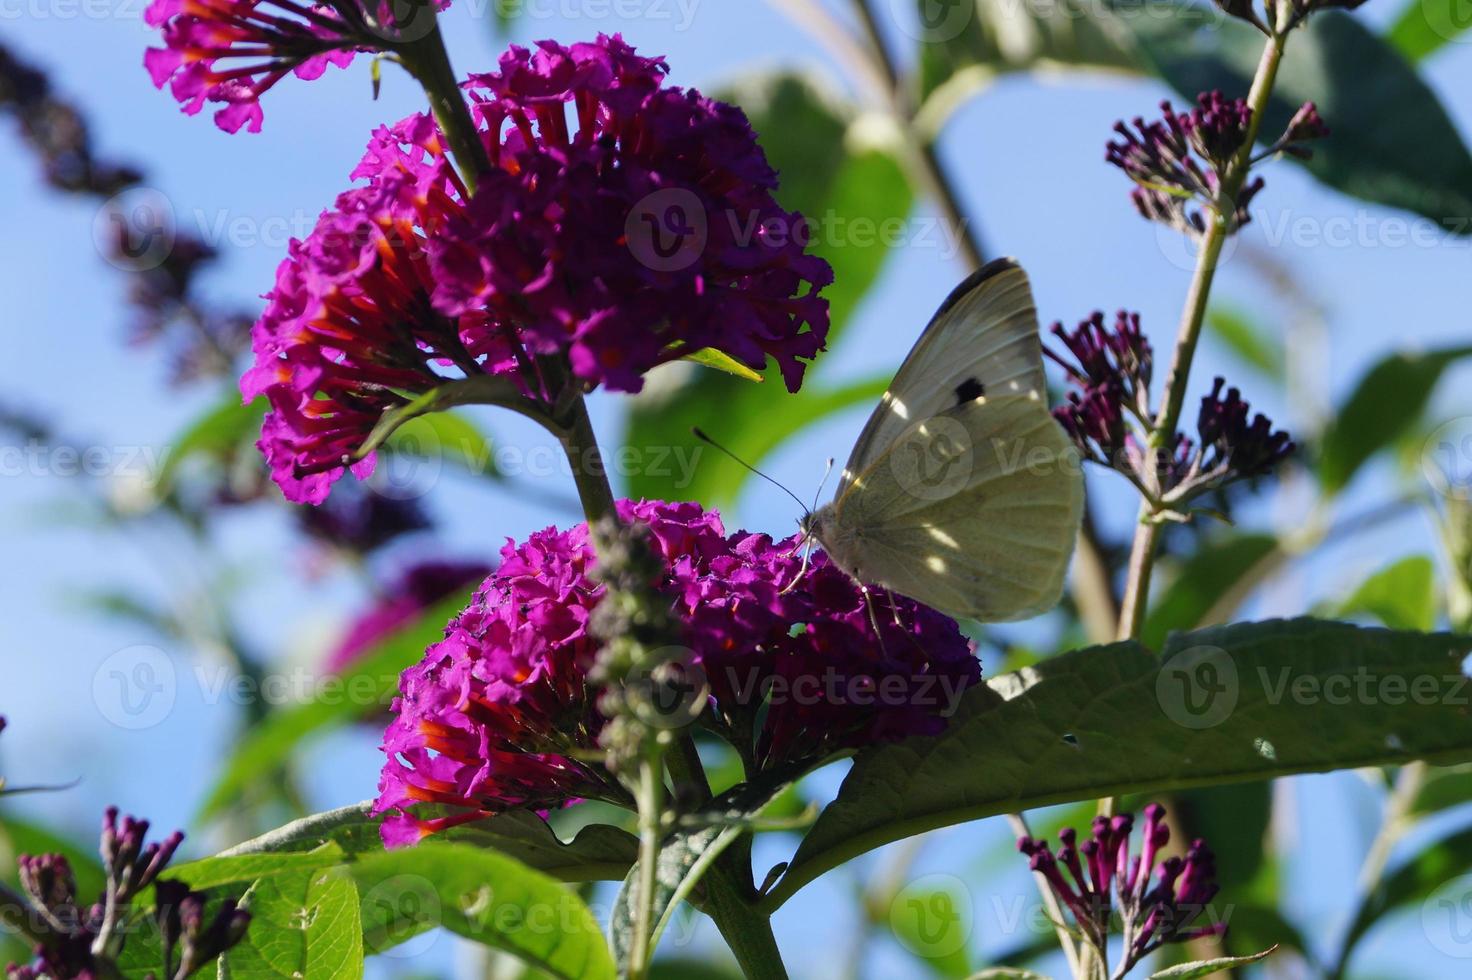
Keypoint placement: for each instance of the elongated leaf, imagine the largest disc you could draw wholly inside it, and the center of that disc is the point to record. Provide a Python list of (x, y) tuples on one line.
[(597, 853), (750, 421), (712, 358), (987, 38), (301, 926), (1378, 151), (19, 837), (369, 685), (1402, 596), (450, 436), (1251, 344), (1206, 968), (215, 434), (216, 871), (1443, 787), (1426, 26), (1230, 704), (494, 900), (1383, 405)]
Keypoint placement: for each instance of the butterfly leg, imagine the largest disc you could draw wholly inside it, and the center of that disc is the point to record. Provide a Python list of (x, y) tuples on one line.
[(873, 618), (801, 572)]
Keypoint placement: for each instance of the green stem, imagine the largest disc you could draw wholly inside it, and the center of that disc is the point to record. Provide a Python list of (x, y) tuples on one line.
[(580, 444), (429, 62), (1147, 533), (651, 805), (730, 902)]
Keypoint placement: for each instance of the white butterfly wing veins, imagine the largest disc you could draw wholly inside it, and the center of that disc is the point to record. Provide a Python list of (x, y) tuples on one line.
[(966, 500)]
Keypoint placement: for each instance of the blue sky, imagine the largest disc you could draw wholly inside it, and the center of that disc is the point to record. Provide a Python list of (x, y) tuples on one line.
[(1028, 157)]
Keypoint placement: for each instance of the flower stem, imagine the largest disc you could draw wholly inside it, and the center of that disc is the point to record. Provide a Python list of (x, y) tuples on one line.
[(651, 804), (1147, 533), (730, 902), (429, 62)]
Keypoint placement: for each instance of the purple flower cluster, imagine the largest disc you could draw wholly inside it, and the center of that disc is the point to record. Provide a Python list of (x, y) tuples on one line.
[(1179, 160), (231, 51), (407, 283), (83, 942), (1109, 418), (500, 715), (1098, 880), (645, 233)]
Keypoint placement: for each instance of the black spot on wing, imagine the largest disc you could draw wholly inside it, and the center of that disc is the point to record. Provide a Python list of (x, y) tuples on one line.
[(969, 390)]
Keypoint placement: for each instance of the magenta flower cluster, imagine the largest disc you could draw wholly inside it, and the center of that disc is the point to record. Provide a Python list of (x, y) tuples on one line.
[(1102, 886), (230, 52), (408, 283), (500, 715)]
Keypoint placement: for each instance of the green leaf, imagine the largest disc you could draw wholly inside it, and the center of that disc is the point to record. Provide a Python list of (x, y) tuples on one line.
[(1384, 404), (1251, 345), (301, 926), (1206, 968), (19, 837), (450, 436), (367, 686), (1442, 787), (1419, 878), (1378, 151), (1402, 596), (712, 358), (213, 872), (984, 38), (215, 434), (750, 420), (1207, 581), (1426, 26), (1235, 820), (1007, 973), (596, 853), (494, 900), (1230, 704)]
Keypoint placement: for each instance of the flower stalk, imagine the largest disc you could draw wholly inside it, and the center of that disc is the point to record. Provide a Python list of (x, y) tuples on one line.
[(1147, 532)]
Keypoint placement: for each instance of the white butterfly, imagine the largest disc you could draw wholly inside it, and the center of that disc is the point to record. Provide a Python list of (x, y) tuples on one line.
[(962, 492)]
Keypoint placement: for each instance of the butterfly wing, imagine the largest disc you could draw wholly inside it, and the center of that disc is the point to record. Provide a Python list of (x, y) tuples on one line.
[(982, 341), (973, 512)]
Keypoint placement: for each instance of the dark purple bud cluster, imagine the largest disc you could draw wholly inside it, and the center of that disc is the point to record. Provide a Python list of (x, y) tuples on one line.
[(83, 942), (1109, 417), (1232, 448), (1305, 127), (193, 938), (1149, 902), (1179, 161)]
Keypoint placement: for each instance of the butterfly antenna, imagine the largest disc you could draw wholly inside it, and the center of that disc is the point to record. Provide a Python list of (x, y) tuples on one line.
[(700, 434), (827, 472)]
